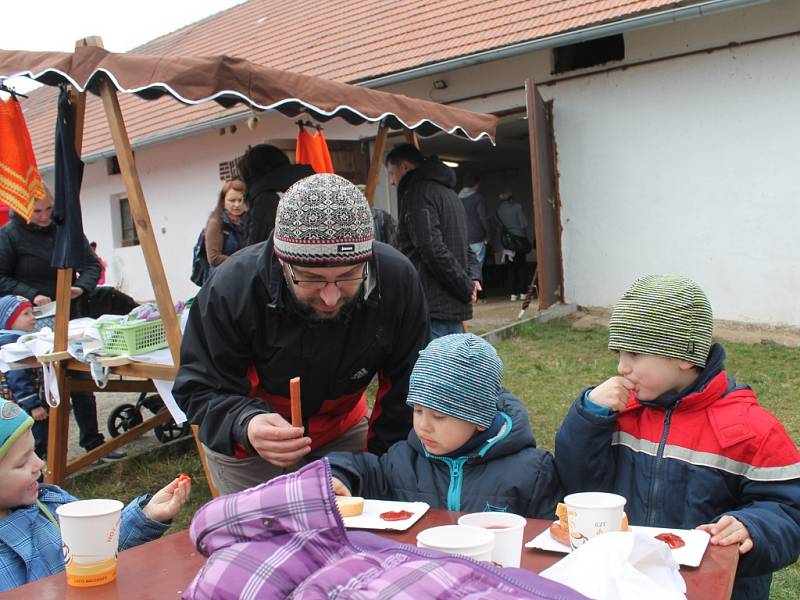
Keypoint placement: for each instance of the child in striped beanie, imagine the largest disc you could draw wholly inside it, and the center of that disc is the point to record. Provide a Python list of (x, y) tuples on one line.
[(686, 445), (471, 449)]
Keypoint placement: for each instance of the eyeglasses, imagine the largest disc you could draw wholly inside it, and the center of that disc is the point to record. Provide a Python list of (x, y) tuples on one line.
[(317, 284)]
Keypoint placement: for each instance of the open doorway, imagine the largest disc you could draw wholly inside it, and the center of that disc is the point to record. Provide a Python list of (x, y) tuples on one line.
[(500, 169)]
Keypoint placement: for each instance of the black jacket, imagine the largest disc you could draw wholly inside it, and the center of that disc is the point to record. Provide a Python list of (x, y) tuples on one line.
[(263, 196), (433, 235), (244, 341), (506, 473), (26, 251)]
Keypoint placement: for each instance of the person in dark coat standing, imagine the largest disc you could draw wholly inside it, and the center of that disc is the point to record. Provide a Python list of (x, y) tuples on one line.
[(471, 449), (26, 251), (267, 173), (432, 232), (321, 301)]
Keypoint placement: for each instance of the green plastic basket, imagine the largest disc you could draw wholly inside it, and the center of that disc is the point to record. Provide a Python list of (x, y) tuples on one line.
[(139, 337)]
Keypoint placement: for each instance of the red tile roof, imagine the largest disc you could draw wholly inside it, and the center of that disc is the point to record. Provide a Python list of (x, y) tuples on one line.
[(347, 40)]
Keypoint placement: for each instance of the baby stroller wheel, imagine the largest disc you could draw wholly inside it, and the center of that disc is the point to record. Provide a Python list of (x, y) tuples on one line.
[(123, 418), (169, 430)]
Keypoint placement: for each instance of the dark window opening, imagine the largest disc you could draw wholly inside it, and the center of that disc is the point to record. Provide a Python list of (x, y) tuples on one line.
[(129, 236), (588, 54)]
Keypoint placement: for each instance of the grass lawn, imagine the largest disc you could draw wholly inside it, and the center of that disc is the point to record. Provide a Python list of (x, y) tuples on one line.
[(546, 365)]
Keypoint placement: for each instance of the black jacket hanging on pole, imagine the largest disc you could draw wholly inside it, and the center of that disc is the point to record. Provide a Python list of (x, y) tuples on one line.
[(68, 251)]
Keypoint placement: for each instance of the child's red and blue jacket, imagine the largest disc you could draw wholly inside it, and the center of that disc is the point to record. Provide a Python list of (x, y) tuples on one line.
[(713, 450)]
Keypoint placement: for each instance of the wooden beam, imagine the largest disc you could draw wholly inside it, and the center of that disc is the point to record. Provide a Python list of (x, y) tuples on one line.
[(58, 419), (114, 443), (376, 162), (202, 452), (143, 370), (114, 385), (141, 218), (411, 137)]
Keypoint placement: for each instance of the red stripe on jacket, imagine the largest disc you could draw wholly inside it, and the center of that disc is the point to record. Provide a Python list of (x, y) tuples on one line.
[(731, 425), (334, 418)]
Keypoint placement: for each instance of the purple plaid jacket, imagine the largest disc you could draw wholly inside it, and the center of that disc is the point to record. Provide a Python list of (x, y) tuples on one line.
[(285, 539)]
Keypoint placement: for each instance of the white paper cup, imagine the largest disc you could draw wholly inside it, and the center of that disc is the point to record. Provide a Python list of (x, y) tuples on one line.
[(591, 514), (474, 542), (89, 538), (508, 530)]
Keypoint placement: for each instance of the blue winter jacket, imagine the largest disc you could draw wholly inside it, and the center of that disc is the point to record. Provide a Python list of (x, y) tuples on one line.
[(690, 457), (23, 383), (506, 473), (30, 545)]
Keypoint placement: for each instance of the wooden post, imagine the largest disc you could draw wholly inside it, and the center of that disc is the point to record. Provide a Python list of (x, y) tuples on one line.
[(376, 162), (58, 418), (201, 451), (141, 218), (411, 137)]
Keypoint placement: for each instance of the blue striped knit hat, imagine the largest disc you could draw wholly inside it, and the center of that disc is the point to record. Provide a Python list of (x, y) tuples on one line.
[(13, 423), (458, 375), (664, 315), (323, 221)]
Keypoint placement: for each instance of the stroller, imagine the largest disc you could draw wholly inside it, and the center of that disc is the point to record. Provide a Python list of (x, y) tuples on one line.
[(127, 416)]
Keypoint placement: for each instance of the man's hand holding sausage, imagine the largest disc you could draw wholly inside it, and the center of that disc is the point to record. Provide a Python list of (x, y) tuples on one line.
[(276, 441)]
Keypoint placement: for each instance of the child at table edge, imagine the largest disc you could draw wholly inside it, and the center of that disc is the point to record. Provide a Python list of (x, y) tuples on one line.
[(471, 448), (686, 445), (23, 385), (30, 541)]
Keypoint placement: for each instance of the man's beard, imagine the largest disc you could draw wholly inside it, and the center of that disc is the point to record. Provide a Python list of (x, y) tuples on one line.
[(307, 312)]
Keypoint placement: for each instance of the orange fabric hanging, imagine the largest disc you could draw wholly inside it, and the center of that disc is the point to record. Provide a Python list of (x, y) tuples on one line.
[(20, 182), (313, 150)]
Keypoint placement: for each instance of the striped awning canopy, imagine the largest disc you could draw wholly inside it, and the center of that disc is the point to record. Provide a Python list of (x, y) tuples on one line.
[(228, 81)]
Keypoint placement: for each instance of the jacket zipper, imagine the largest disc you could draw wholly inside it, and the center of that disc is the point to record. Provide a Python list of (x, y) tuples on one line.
[(654, 489), (454, 490)]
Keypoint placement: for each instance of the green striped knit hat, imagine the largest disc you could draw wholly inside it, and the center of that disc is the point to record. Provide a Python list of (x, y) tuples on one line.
[(458, 375), (13, 423), (664, 315)]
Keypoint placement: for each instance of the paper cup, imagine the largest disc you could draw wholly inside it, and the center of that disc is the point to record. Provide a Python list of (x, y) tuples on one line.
[(474, 542), (89, 538), (508, 530), (593, 513)]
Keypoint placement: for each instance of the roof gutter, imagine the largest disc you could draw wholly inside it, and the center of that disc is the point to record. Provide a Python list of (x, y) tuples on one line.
[(672, 15)]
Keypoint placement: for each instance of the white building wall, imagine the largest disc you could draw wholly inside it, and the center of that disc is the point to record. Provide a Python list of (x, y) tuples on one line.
[(683, 165), (686, 166)]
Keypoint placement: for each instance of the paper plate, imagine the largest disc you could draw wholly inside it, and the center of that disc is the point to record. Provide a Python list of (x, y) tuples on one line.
[(371, 517), (690, 555)]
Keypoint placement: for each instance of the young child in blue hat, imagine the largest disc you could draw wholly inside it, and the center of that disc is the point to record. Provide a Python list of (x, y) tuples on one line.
[(30, 540), (471, 448), (23, 386)]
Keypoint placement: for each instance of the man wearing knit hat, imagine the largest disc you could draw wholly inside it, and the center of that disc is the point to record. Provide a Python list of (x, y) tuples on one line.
[(469, 436), (686, 445), (319, 300)]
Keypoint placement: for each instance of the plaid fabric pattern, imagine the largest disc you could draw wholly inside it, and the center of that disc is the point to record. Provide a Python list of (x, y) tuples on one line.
[(664, 315), (285, 539), (458, 375), (323, 220)]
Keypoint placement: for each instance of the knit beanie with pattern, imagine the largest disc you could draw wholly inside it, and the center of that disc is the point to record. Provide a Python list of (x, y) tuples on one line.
[(10, 308), (664, 315), (458, 375), (323, 221), (13, 423)]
